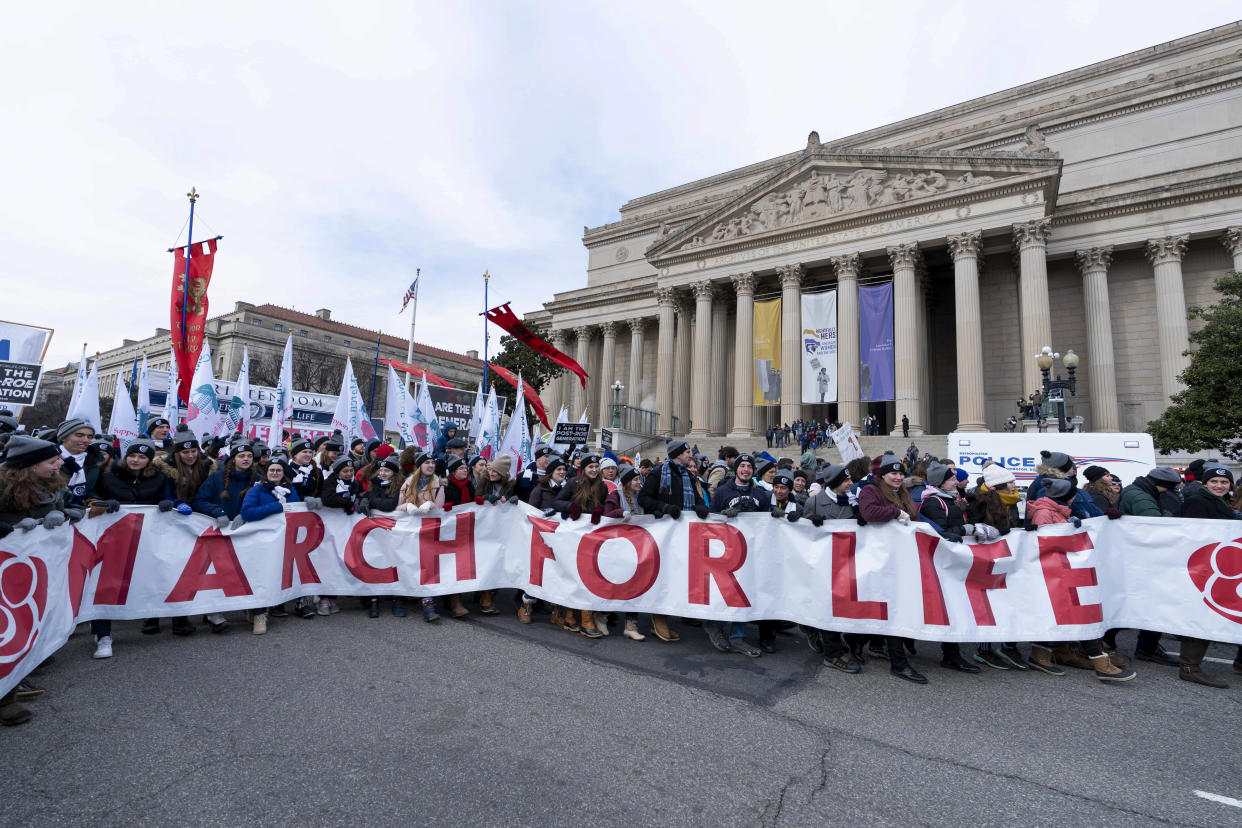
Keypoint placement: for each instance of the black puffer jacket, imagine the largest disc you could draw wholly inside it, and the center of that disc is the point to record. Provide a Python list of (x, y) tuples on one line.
[(1201, 503), (124, 486)]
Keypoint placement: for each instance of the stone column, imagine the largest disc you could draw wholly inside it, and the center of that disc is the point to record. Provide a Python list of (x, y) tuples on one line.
[(1031, 237), (849, 407), (718, 404), (552, 394), (607, 367), (664, 358), (1232, 240), (682, 386), (701, 374), (966, 249), (1165, 255), (907, 355), (635, 392), (744, 360), (791, 342), (579, 398), (1101, 370)]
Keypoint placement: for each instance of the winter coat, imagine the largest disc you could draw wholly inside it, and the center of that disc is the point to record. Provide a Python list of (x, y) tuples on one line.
[(824, 504), (381, 496), (210, 499), (121, 484), (527, 481), (1082, 505), (565, 501), (307, 481), (917, 487), (943, 511), (339, 494), (261, 501), (545, 495), (1045, 510), (716, 475), (457, 492), (652, 497), (168, 468), (978, 513), (1201, 503), (615, 505), (873, 507), (498, 488), (748, 498), (789, 507), (1140, 498), (11, 514), (90, 467)]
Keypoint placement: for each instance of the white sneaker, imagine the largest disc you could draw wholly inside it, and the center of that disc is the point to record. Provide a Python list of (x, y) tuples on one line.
[(103, 647)]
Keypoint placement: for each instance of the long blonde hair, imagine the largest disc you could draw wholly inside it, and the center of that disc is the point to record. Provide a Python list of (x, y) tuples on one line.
[(410, 491)]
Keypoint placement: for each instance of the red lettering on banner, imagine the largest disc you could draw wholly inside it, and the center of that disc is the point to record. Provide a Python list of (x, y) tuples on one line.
[(115, 554), (934, 609), (981, 578), (461, 547), (212, 550), (645, 573), (1063, 581), (703, 565), (356, 562), (845, 603), (298, 552), (539, 549)]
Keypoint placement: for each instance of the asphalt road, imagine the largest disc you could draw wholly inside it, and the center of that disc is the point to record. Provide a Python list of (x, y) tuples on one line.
[(487, 722)]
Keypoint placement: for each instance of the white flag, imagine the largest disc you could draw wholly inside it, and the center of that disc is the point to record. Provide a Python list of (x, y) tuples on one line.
[(489, 428), (79, 383), (583, 418), (351, 415), (399, 409), (426, 423), (516, 442), (282, 406), (562, 417), (204, 413), (86, 405), (237, 416), (124, 422), (144, 398), (172, 406), (476, 415)]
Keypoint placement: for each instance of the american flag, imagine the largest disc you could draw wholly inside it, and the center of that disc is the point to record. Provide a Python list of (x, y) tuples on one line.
[(410, 293)]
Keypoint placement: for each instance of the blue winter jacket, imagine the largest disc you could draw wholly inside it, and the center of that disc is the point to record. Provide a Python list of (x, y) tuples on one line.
[(210, 500), (261, 501), (1082, 505)]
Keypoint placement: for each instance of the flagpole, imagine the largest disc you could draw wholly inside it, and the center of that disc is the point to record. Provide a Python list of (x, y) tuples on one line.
[(374, 372), (409, 353), (486, 278), (185, 279)]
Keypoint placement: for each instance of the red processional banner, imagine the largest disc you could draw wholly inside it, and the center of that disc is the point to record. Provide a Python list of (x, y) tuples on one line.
[(506, 319), (188, 344), (415, 371), (529, 393)]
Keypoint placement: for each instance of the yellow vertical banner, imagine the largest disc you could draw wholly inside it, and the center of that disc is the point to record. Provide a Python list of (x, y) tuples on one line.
[(768, 352)]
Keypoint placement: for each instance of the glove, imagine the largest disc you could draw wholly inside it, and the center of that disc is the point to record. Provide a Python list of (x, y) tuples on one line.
[(111, 506), (792, 517), (985, 533), (903, 519), (1075, 521), (238, 522), (26, 524), (816, 521), (313, 503), (1113, 512), (575, 511), (951, 537), (5, 530), (777, 511), (596, 514), (730, 512), (549, 512), (448, 507), (222, 521), (701, 511), (656, 513), (672, 511), (626, 515), (53, 519), (478, 500), (348, 508), (492, 498), (426, 507), (184, 509), (363, 506), (166, 505), (73, 513), (968, 529), (408, 508), (1030, 527)]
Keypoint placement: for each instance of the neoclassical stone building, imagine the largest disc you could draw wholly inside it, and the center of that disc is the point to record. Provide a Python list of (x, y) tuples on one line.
[(1087, 211)]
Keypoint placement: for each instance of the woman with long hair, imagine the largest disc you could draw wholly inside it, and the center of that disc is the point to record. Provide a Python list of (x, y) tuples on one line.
[(383, 494), (623, 503), (221, 494), (420, 494), (585, 495)]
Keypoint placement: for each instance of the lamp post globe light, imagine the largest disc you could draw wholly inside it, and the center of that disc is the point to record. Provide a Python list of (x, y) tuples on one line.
[(617, 388), (1054, 389)]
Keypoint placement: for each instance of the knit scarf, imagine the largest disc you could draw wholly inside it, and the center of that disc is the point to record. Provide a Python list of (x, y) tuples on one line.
[(463, 489), (1008, 498), (303, 474), (666, 483)]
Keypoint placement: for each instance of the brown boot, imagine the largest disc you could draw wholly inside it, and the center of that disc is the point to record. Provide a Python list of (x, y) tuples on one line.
[(557, 619), (588, 625), (524, 611), (1041, 659), (1191, 664), (457, 608), (659, 628), (487, 604), (1106, 671), (12, 713), (1071, 656), (571, 621)]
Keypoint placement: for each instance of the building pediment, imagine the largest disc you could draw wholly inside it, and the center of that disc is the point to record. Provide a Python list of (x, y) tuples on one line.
[(826, 187)]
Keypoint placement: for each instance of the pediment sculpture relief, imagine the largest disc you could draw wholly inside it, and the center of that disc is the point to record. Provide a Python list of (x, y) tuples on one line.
[(821, 196)]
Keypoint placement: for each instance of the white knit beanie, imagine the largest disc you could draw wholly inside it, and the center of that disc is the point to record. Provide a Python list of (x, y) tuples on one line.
[(995, 476)]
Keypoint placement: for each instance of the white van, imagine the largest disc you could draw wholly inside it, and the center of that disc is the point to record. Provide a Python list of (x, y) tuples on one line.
[(1126, 455)]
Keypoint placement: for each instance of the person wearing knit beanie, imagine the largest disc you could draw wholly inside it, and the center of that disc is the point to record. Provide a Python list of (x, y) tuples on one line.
[(22, 451), (997, 477)]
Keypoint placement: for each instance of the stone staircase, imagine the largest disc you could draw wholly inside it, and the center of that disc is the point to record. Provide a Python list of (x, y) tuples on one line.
[(936, 444)]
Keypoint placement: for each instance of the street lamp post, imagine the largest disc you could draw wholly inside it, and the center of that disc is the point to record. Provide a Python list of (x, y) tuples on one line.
[(617, 388), (1045, 360)]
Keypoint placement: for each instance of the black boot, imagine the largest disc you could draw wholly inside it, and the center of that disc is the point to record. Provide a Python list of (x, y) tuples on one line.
[(182, 626), (373, 611), (151, 626), (278, 611)]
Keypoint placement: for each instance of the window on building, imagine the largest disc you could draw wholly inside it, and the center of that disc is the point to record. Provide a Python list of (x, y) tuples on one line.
[(257, 322), (278, 326), (301, 333), (327, 338), (345, 342)]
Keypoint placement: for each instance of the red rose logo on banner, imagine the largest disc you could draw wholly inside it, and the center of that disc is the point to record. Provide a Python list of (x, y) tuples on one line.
[(23, 601), (1216, 571)]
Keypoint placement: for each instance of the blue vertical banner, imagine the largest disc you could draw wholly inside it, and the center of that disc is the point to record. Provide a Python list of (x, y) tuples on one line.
[(875, 330)]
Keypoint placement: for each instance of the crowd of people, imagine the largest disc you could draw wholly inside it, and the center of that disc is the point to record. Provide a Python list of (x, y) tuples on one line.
[(70, 473)]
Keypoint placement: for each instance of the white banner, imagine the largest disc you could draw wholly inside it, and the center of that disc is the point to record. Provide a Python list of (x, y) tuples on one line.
[(847, 443), (1175, 576), (819, 347)]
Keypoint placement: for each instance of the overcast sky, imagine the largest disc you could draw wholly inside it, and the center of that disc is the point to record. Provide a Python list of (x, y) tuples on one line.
[(338, 146)]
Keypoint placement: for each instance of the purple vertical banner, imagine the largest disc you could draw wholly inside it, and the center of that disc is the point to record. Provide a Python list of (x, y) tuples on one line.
[(875, 331)]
